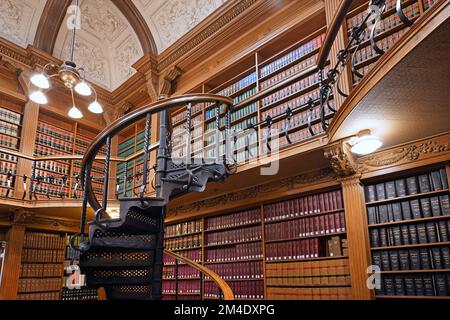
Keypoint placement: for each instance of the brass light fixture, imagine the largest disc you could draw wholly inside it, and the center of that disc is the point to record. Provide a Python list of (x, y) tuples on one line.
[(72, 77)]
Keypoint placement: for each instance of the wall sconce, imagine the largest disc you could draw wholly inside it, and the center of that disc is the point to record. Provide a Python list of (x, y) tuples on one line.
[(364, 143)]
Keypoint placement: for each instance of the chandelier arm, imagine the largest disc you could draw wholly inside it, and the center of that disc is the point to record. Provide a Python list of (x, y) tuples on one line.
[(74, 32)]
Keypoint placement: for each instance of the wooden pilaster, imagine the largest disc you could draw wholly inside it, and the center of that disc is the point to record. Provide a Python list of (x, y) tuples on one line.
[(357, 236)]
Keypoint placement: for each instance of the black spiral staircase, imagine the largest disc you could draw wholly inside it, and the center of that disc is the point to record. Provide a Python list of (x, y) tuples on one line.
[(124, 255)]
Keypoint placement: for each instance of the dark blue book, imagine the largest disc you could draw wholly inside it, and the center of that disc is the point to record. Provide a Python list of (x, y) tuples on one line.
[(437, 262), (425, 262), (444, 201), (414, 259), (428, 285), (406, 210), (435, 207), (403, 257), (443, 231)]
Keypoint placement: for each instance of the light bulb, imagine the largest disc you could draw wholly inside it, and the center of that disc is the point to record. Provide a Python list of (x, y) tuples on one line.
[(83, 89), (38, 97), (366, 144), (95, 107), (75, 113), (40, 81)]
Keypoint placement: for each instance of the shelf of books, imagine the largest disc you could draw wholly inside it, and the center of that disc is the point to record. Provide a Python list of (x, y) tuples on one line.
[(390, 30), (233, 249), (10, 133), (185, 239), (306, 248), (42, 266), (409, 228), (265, 83), (83, 138), (132, 170), (52, 177)]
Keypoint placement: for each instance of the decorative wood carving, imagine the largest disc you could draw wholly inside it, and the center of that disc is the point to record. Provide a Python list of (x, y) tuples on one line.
[(419, 150), (254, 192), (341, 159), (22, 216), (118, 112), (167, 82)]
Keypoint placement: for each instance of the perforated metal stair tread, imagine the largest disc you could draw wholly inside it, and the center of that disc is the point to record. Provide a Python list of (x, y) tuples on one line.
[(117, 258), (115, 276), (117, 239)]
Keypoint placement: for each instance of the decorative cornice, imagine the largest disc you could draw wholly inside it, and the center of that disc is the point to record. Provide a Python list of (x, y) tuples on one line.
[(216, 25), (411, 152), (256, 191)]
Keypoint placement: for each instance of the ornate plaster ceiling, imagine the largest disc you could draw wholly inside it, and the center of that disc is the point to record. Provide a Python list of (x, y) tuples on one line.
[(107, 44), (19, 20), (169, 20)]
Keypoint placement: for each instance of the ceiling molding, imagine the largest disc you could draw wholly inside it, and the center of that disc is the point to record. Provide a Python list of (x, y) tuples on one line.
[(50, 23), (138, 24)]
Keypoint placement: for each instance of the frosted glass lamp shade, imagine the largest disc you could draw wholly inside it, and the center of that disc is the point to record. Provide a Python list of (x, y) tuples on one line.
[(40, 81), (82, 88), (95, 107), (75, 113), (38, 97)]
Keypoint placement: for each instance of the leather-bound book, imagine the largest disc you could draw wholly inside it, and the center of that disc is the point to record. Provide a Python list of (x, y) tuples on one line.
[(376, 259), (394, 259), (413, 234), (435, 207), (414, 259), (397, 233), (403, 257), (419, 286), (399, 286), (436, 182), (426, 207), (374, 238), (390, 189), (397, 211), (370, 193), (411, 185), (415, 208), (444, 179), (443, 231), (405, 234), (444, 201), (385, 261), (409, 286), (437, 262), (383, 213), (390, 212), (428, 285), (422, 233), (389, 286), (441, 285), (400, 187), (425, 261), (371, 215), (431, 232), (383, 237), (424, 183), (381, 192), (445, 254), (406, 210)]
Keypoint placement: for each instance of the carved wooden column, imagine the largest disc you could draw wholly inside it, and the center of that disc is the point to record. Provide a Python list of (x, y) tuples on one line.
[(29, 129), (340, 42), (15, 240), (344, 164)]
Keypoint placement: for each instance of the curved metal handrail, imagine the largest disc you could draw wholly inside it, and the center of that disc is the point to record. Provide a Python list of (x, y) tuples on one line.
[(222, 284), (332, 32), (131, 118)]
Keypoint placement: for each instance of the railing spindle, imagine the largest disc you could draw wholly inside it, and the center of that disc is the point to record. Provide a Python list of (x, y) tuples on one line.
[(189, 136), (106, 174), (33, 176), (84, 201), (217, 132), (146, 155)]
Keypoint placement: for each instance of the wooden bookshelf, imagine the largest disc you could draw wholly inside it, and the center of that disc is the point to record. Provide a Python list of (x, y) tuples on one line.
[(10, 138), (42, 267), (409, 225)]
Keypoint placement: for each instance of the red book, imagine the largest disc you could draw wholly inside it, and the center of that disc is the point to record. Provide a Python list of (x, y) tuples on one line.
[(323, 227), (337, 222), (342, 221), (310, 205), (326, 224), (335, 207), (339, 199), (307, 249), (326, 199)]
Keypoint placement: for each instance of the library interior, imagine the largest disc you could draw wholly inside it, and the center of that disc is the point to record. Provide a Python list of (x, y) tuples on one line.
[(225, 150)]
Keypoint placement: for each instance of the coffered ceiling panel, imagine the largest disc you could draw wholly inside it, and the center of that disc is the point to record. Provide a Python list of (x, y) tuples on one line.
[(106, 46), (169, 20), (19, 20)]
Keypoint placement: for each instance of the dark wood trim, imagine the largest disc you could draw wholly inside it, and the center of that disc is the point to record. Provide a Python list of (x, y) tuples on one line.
[(138, 24), (50, 23)]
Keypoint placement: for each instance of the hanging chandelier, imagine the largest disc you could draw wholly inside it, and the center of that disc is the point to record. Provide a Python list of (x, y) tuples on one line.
[(72, 77)]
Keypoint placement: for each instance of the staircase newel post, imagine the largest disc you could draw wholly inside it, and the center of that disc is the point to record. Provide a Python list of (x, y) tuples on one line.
[(85, 201), (146, 155)]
